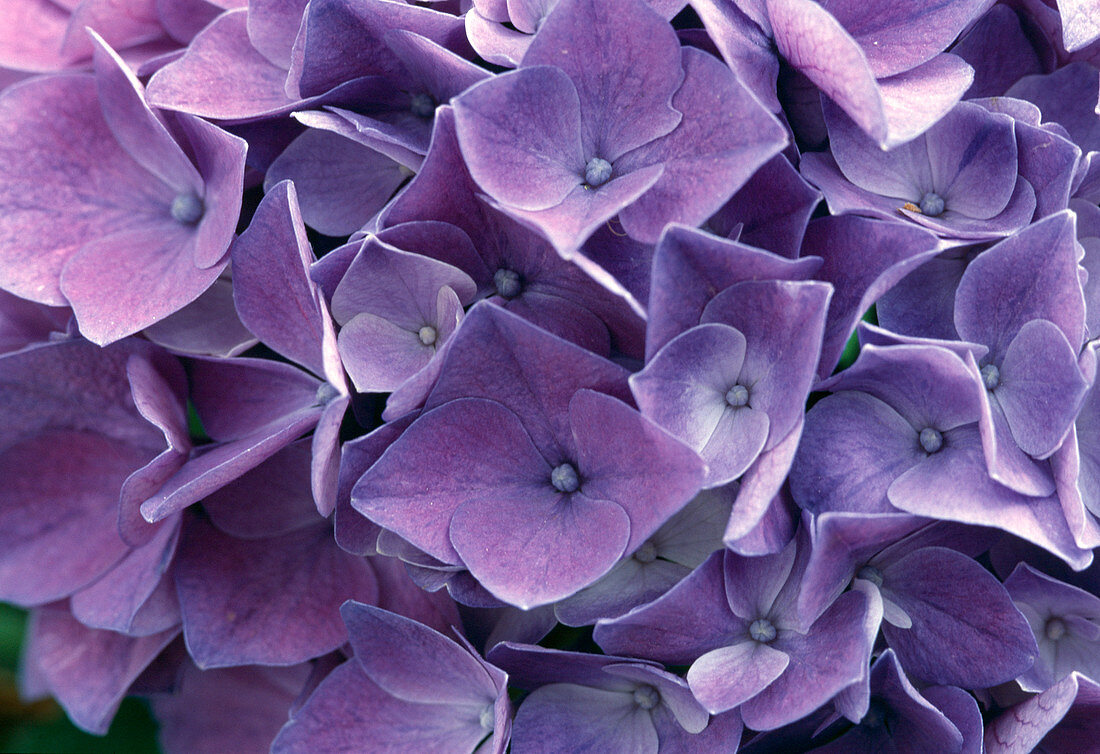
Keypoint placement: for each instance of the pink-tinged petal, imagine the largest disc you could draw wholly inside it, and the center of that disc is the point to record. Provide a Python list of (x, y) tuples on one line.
[(913, 101), (830, 657), (134, 124), (1020, 729), (1032, 275), (759, 510), (754, 583), (271, 286), (690, 620), (268, 601), (272, 27), (23, 322), (88, 670), (1080, 23), (621, 456), (347, 709), (520, 134), (239, 82), (47, 216), (325, 468), (432, 66), (268, 501), (238, 397), (690, 267), (858, 278), (898, 37), (724, 137), (744, 46), (129, 280), (220, 157), (972, 154), (954, 486), (1041, 387), (624, 88), (965, 630), (379, 355), (79, 475), (495, 42), (399, 594), (1007, 463), (962, 710), (683, 387), (387, 645), (853, 447), (539, 546), (783, 322), (727, 677), (343, 39), (432, 469), (122, 24), (342, 183), (569, 224), (214, 466), (208, 326), (815, 43), (563, 717), (113, 603), (235, 709), (30, 38)]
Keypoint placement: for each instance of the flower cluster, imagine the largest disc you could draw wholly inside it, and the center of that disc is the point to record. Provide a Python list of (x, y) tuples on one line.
[(555, 375)]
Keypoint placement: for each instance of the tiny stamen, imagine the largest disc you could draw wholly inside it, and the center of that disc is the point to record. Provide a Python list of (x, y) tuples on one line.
[(422, 105), (488, 717), (762, 630), (1055, 629), (737, 396), (991, 376), (931, 440), (931, 204), (564, 478), (325, 393), (427, 335), (187, 209), (507, 282), (647, 697), (597, 172), (870, 573)]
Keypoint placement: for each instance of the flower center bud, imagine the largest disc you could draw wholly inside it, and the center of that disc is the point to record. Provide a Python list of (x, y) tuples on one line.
[(597, 172), (325, 393), (870, 573), (427, 335), (931, 204), (564, 478), (1055, 629), (422, 105), (762, 630), (187, 209), (647, 553), (931, 440), (488, 716), (647, 697), (507, 282), (737, 396), (991, 376)]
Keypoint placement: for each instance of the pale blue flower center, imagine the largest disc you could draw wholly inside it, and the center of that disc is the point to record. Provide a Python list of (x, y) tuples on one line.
[(187, 209), (422, 105), (325, 393), (931, 440), (488, 715), (507, 283), (931, 204), (737, 396), (870, 573), (597, 172), (564, 478), (1055, 629), (647, 697), (647, 553), (991, 376), (762, 630), (427, 335)]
